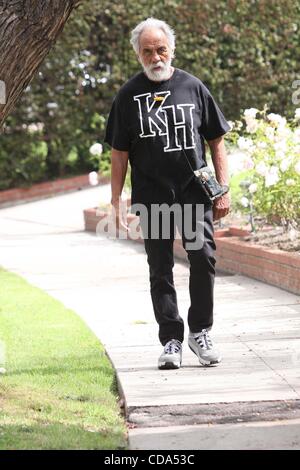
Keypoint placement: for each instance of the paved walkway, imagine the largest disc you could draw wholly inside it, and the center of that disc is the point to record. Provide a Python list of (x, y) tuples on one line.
[(246, 402)]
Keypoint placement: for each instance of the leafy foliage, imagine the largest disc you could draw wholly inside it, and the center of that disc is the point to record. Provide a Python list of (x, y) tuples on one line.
[(267, 164), (246, 52)]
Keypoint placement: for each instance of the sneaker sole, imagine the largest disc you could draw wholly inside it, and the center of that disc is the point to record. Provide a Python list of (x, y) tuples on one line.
[(169, 365), (203, 361)]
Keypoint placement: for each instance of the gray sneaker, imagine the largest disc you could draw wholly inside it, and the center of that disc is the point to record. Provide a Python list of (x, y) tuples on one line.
[(201, 344), (171, 356)]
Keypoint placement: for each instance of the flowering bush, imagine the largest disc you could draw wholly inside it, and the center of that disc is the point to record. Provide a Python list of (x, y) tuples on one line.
[(96, 149), (267, 150)]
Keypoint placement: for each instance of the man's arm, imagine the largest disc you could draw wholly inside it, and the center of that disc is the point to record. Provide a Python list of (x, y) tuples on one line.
[(119, 165), (220, 161)]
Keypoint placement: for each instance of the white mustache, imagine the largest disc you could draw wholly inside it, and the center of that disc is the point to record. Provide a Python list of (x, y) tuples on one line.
[(159, 64)]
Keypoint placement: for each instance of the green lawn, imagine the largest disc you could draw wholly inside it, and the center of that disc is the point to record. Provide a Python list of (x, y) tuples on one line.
[(59, 390)]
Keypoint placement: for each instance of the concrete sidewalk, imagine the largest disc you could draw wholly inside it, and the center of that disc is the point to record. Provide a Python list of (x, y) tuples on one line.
[(257, 328)]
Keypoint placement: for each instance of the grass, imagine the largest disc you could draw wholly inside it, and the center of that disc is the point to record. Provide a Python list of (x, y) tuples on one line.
[(59, 390)]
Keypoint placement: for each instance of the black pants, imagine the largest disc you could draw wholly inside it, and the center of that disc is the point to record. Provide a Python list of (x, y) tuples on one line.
[(201, 281)]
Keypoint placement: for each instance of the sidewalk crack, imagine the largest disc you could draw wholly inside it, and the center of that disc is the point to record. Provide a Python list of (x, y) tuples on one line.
[(269, 366)]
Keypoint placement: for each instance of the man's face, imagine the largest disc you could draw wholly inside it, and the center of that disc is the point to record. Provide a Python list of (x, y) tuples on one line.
[(155, 54)]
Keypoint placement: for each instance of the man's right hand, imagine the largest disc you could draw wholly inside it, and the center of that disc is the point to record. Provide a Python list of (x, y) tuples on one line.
[(119, 163), (119, 214)]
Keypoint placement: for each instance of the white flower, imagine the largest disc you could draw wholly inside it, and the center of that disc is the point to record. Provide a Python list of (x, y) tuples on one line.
[(297, 113), (245, 201), (280, 146), (244, 143), (93, 178), (297, 135), (261, 168), (285, 164), (231, 124), (2, 370), (52, 105), (252, 188), (297, 167), (239, 161), (290, 182), (250, 113), (283, 132), (262, 145), (248, 163), (280, 154), (251, 122), (35, 127), (236, 162), (32, 128), (96, 150), (252, 126), (272, 177), (276, 119), (269, 132)]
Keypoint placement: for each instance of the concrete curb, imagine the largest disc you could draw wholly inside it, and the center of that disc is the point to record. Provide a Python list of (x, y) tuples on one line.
[(35, 192)]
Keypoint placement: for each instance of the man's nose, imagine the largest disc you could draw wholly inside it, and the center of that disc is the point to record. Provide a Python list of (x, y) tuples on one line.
[(155, 57)]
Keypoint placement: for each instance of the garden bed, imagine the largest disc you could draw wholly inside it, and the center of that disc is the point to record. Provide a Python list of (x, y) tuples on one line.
[(277, 238)]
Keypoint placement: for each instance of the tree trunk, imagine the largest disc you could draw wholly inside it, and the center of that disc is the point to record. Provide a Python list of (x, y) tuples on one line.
[(28, 30)]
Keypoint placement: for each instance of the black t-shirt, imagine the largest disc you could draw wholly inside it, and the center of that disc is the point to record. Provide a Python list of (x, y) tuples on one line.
[(163, 126)]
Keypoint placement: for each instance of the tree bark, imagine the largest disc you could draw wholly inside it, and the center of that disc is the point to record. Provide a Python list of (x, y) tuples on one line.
[(28, 30)]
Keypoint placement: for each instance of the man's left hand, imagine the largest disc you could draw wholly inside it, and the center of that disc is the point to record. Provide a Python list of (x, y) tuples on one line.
[(221, 207)]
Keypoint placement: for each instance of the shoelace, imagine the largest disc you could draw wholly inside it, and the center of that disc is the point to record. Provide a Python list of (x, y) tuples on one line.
[(204, 340), (172, 347)]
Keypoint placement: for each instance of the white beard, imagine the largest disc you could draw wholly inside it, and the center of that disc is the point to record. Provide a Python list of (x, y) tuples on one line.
[(158, 75)]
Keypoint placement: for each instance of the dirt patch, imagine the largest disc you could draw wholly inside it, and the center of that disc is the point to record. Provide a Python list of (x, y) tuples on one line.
[(272, 236), (213, 413), (278, 238)]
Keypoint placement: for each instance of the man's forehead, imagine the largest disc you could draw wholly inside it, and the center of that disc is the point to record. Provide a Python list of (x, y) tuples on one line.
[(153, 37)]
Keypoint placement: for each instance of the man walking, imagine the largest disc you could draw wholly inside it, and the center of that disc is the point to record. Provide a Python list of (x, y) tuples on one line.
[(159, 121)]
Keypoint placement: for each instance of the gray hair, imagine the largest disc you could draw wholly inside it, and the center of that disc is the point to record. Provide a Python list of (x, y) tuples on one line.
[(152, 23)]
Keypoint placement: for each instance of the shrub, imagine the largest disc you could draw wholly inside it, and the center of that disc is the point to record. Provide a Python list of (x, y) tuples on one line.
[(268, 149)]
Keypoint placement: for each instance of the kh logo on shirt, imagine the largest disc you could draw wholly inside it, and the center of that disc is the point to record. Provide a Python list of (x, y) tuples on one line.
[(166, 121)]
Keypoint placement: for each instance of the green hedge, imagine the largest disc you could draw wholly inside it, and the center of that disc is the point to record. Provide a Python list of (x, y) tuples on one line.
[(246, 52)]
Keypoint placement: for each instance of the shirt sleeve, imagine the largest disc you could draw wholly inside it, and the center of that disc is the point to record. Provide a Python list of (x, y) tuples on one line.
[(213, 124), (116, 134)]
